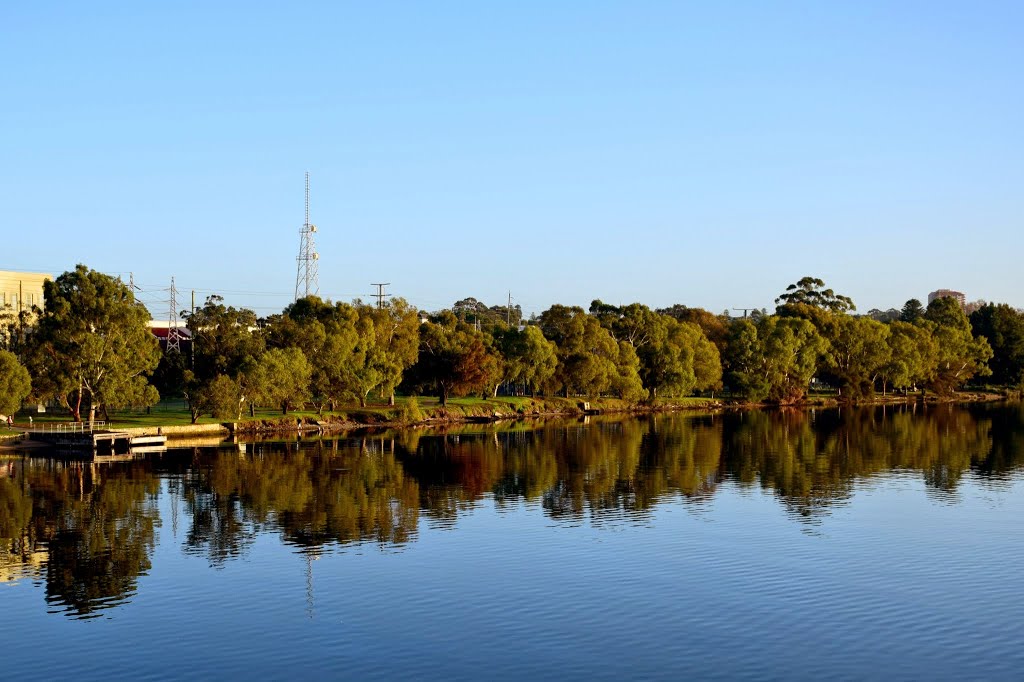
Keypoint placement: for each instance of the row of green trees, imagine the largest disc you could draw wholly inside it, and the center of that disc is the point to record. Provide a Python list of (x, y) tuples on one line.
[(814, 335), (90, 349)]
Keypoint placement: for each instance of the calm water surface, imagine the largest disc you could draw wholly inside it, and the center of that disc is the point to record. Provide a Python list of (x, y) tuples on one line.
[(853, 544)]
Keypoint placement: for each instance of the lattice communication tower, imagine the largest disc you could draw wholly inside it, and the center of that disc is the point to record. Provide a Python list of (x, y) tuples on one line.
[(307, 279), (173, 335)]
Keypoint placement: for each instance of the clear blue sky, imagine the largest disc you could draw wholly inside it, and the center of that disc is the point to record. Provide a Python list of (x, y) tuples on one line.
[(705, 153)]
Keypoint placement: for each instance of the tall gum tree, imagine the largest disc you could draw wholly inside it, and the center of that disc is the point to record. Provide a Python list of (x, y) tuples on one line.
[(1004, 328), (528, 359), (453, 358), (913, 357), (858, 354), (811, 291), (773, 359), (962, 356), (588, 354), (226, 341), (92, 343), (396, 328)]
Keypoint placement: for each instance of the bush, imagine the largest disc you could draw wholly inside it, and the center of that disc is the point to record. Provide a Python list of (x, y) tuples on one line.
[(411, 411)]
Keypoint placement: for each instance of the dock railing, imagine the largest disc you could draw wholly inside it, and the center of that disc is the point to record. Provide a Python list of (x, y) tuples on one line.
[(66, 427)]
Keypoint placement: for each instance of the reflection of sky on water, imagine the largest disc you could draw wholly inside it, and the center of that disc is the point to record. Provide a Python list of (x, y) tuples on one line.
[(622, 547)]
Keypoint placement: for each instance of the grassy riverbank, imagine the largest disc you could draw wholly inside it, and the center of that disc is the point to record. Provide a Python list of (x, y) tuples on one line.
[(409, 411), (405, 411)]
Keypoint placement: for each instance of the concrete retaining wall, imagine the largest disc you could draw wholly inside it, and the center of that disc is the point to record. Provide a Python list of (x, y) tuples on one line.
[(175, 432)]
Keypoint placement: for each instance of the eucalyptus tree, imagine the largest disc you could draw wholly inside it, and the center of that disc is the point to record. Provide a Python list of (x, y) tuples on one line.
[(9, 328), (338, 344), (858, 354), (225, 342), (715, 327), (678, 358), (626, 383), (773, 359), (527, 358), (453, 358), (962, 356), (588, 354), (395, 347), (280, 377), (811, 291), (15, 383), (92, 342), (1003, 327), (673, 357), (913, 356)]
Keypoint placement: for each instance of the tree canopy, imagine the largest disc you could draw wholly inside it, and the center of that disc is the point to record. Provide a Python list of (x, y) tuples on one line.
[(453, 358), (774, 359), (92, 342), (91, 348), (15, 383), (1003, 328), (811, 291)]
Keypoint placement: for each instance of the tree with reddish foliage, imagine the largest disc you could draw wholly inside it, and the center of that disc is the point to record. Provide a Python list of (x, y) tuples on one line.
[(453, 359)]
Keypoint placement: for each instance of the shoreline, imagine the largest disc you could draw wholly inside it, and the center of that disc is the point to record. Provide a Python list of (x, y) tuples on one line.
[(449, 415)]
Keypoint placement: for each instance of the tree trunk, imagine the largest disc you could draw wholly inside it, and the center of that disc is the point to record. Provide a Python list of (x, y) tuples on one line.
[(391, 399), (444, 398), (252, 410), (92, 415), (362, 400), (77, 409), (284, 407)]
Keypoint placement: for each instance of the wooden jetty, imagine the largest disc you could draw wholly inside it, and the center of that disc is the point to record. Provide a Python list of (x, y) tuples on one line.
[(95, 439)]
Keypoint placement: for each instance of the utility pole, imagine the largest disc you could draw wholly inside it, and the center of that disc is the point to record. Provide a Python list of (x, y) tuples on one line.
[(192, 340), (307, 280), (508, 315), (380, 295), (746, 310), (21, 319), (173, 336)]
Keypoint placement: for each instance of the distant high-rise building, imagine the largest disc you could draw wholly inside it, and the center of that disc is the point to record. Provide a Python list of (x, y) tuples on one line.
[(948, 293)]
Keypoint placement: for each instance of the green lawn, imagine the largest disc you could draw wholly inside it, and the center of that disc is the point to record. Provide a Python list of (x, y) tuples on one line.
[(175, 412)]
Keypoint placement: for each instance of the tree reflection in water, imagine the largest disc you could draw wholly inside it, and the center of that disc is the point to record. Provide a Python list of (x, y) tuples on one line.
[(88, 530), (313, 495), (90, 534)]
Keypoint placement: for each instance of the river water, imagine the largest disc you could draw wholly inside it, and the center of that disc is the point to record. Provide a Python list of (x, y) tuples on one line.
[(843, 544)]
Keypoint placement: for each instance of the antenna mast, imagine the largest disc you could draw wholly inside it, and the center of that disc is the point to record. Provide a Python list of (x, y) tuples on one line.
[(307, 280)]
